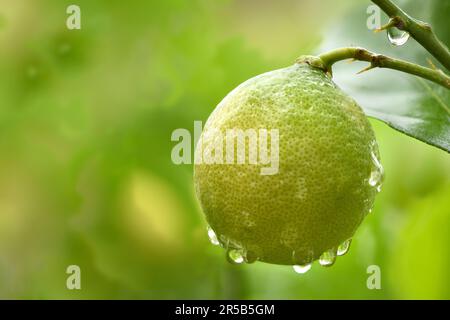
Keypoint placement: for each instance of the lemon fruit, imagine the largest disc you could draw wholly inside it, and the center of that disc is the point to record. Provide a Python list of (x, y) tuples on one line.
[(329, 169)]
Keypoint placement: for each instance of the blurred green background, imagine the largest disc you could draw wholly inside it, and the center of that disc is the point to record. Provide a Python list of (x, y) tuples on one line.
[(86, 176)]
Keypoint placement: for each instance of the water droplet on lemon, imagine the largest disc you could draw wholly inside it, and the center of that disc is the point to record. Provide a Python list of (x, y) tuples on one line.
[(212, 236), (235, 256), (377, 173), (343, 247), (302, 268), (328, 258)]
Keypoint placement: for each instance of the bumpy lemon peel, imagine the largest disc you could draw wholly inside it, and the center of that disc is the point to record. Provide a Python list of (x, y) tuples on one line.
[(327, 156)]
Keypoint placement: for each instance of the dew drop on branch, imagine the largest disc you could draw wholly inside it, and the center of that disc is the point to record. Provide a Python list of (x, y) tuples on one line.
[(302, 268), (397, 37)]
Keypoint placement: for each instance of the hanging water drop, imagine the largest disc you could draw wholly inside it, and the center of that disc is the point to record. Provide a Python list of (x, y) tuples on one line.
[(250, 257), (328, 258), (343, 247), (302, 256), (235, 256), (302, 268), (212, 236), (397, 37), (374, 178)]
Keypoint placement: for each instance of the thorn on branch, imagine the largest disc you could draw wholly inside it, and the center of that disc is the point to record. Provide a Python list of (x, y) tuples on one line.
[(370, 67), (393, 22)]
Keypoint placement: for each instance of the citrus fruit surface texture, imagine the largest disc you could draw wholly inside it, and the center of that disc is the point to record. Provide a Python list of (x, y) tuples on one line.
[(328, 175)]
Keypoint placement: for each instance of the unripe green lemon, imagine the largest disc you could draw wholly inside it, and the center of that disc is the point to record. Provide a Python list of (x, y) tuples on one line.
[(328, 169)]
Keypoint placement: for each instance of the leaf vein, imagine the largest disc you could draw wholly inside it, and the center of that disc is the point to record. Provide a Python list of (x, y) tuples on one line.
[(435, 96)]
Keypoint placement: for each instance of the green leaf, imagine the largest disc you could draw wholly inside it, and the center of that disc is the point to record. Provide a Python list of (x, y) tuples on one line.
[(411, 105)]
